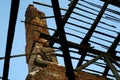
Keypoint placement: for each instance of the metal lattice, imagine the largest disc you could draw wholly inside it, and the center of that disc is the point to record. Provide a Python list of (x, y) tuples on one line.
[(86, 29)]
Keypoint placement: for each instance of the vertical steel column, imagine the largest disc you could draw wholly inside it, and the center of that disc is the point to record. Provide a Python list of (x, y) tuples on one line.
[(62, 37), (11, 30), (112, 51), (90, 32), (66, 16)]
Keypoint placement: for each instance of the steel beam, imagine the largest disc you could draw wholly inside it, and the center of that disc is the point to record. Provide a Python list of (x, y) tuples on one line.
[(112, 67), (66, 16), (79, 68), (11, 30), (98, 6), (111, 50), (77, 46), (115, 2), (90, 32), (73, 13), (63, 41)]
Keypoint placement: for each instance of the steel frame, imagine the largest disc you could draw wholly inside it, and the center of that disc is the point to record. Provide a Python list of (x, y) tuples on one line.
[(60, 37)]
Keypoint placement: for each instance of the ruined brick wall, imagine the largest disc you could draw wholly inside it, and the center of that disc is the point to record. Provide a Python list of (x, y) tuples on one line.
[(57, 72), (34, 44), (42, 65)]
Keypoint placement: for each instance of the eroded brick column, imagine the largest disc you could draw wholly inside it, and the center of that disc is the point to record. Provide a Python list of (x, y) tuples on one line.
[(34, 25), (42, 65)]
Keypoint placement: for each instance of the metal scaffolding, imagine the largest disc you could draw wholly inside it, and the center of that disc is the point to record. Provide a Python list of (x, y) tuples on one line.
[(92, 31)]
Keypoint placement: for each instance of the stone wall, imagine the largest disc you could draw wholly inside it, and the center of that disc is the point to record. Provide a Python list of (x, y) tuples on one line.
[(41, 59)]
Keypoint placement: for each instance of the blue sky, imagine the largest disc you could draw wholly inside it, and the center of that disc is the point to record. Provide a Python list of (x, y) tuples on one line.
[(18, 66)]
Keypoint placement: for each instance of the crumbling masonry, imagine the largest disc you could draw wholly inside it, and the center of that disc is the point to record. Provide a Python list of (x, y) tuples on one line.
[(41, 59)]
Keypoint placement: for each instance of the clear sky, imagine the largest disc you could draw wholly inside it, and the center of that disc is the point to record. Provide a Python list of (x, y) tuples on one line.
[(18, 66)]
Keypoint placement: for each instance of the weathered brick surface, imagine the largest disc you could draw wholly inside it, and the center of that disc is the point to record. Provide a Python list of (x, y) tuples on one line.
[(56, 72), (34, 43), (42, 65)]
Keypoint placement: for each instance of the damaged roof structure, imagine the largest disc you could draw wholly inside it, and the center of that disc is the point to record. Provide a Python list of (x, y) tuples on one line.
[(85, 35)]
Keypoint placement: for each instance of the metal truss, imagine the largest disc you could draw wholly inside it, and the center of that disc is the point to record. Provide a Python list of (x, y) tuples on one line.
[(109, 59)]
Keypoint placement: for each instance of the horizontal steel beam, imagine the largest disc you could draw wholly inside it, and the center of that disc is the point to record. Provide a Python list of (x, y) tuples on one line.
[(99, 6), (42, 4), (115, 2), (77, 46)]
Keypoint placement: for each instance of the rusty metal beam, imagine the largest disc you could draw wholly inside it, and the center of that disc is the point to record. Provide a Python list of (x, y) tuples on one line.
[(92, 29), (98, 6), (42, 4), (90, 32), (92, 35), (77, 35), (80, 32), (112, 67), (111, 50), (79, 68), (77, 46), (66, 16), (63, 42), (115, 2), (10, 36), (91, 24), (114, 44), (95, 10), (96, 31)]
